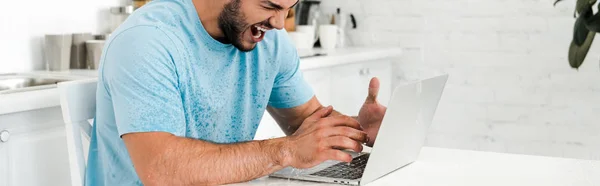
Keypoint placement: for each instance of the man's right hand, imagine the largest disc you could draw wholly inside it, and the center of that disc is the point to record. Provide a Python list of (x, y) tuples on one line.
[(320, 138)]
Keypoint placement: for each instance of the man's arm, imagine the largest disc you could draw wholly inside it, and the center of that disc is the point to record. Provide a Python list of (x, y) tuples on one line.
[(290, 119), (370, 115), (164, 159)]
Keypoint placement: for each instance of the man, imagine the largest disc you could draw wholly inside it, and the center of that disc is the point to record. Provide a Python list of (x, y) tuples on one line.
[(182, 87)]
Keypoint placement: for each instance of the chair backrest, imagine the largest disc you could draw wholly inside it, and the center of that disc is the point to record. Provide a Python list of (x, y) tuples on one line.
[(78, 104)]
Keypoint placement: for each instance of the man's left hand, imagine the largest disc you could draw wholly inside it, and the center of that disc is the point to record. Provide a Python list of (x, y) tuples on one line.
[(371, 113)]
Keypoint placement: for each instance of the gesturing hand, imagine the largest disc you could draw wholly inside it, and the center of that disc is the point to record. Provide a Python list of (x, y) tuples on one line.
[(371, 113)]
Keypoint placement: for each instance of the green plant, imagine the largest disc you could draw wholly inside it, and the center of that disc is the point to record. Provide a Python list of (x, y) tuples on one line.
[(586, 25)]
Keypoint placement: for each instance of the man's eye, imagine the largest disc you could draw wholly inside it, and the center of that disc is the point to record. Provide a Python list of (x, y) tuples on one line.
[(268, 8)]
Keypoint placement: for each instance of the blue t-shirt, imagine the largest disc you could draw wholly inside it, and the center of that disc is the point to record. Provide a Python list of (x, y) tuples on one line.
[(161, 71)]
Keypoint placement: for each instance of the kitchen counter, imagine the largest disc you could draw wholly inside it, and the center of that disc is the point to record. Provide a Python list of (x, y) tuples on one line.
[(41, 97), (46, 98), (449, 167), (309, 59), (344, 56)]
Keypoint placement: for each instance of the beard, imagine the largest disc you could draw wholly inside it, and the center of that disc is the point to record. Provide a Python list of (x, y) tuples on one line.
[(231, 22)]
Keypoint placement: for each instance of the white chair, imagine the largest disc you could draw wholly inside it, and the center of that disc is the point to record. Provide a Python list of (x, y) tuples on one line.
[(78, 103)]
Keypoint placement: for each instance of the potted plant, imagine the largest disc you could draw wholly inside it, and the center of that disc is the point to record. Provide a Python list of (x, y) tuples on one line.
[(586, 25)]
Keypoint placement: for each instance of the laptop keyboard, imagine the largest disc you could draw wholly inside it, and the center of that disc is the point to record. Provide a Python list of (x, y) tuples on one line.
[(343, 170)]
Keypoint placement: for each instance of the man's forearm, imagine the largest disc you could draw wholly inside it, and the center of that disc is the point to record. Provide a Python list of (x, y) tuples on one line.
[(194, 162)]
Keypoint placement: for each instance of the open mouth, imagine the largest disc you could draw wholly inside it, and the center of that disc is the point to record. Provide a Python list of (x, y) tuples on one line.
[(258, 32)]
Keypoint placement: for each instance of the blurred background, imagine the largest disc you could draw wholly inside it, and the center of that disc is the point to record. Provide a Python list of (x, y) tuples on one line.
[(23, 25), (511, 88)]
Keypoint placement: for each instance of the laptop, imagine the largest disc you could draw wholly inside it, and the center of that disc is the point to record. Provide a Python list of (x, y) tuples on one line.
[(402, 133)]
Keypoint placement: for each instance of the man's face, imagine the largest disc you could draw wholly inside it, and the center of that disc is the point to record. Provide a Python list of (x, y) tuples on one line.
[(245, 22)]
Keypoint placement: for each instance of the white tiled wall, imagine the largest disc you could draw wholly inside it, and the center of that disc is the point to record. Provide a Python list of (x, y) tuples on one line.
[(24, 23), (511, 88)]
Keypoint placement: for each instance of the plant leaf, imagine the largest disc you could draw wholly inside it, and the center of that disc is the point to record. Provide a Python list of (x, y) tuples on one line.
[(582, 40)]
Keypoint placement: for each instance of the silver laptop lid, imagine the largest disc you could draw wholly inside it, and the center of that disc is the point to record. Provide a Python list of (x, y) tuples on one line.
[(404, 127)]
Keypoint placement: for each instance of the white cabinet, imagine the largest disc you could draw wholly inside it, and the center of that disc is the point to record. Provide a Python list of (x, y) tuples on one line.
[(383, 70), (345, 87), (36, 152), (350, 84), (320, 81), (41, 155), (4, 161), (268, 128)]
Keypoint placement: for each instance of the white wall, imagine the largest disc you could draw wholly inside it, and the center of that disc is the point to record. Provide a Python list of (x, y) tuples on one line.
[(24, 23), (511, 88)]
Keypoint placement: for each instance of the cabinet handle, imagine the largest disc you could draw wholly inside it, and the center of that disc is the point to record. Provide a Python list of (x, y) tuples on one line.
[(4, 136), (364, 71)]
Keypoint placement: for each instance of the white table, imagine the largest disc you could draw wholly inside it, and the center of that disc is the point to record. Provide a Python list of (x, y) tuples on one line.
[(447, 167)]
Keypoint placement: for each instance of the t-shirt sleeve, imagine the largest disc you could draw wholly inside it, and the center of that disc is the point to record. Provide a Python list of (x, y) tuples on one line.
[(140, 76), (290, 88)]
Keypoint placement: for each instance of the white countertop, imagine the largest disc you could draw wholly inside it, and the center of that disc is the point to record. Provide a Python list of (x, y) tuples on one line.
[(45, 98), (326, 58), (449, 167), (345, 56)]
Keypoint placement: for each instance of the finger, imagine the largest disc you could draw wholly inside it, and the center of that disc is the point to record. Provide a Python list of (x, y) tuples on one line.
[(321, 113), (337, 155), (341, 142), (341, 121), (354, 134), (373, 90)]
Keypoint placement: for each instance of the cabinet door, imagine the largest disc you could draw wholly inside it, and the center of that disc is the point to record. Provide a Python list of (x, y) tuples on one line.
[(350, 84), (346, 85), (268, 128), (4, 163), (383, 71), (320, 81), (39, 158)]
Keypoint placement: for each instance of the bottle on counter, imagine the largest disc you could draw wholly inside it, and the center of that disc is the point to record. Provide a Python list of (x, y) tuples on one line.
[(341, 21)]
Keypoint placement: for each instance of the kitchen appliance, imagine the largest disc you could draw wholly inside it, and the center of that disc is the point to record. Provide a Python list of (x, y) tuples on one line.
[(308, 12), (57, 51)]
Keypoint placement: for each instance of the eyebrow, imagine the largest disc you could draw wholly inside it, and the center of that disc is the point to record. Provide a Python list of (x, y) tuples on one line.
[(277, 6)]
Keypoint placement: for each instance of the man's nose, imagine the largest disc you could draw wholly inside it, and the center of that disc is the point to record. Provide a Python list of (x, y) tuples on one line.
[(278, 20)]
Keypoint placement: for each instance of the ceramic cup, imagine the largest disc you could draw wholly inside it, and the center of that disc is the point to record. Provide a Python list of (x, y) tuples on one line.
[(310, 30), (57, 51), (328, 35), (301, 40)]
